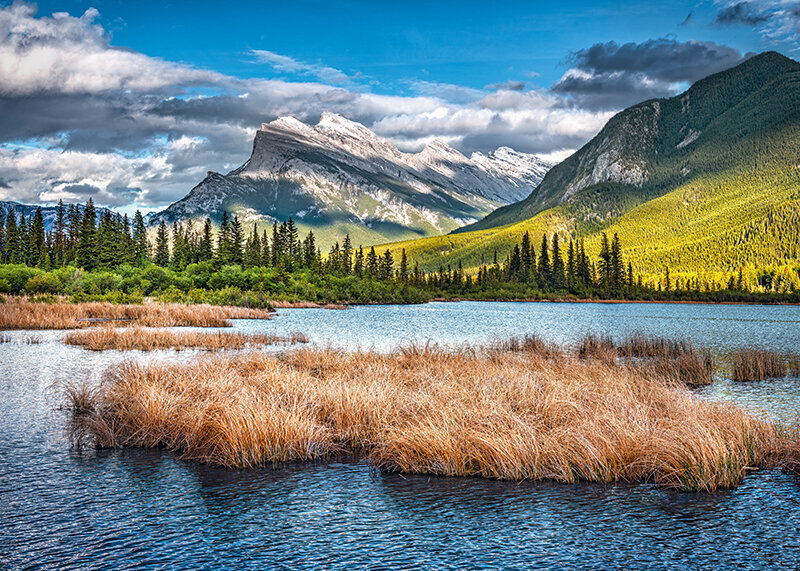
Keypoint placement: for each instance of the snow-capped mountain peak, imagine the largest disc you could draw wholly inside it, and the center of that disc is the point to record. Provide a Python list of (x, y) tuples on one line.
[(340, 174)]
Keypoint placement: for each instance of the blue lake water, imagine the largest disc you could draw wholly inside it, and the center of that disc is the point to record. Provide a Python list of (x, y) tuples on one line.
[(146, 509)]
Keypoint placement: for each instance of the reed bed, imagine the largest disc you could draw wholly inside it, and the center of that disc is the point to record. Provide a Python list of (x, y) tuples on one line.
[(18, 313), (757, 365), (510, 415), (138, 338), (642, 345), (531, 344), (689, 369)]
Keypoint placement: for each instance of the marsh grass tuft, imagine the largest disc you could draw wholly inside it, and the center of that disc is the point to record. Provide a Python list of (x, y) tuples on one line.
[(19, 313), (757, 365), (601, 348), (138, 338), (429, 410), (642, 345)]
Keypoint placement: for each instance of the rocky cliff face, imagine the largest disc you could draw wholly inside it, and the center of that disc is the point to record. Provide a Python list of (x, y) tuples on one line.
[(339, 177)]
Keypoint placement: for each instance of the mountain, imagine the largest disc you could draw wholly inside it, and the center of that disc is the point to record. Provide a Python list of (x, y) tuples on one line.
[(706, 180), (338, 177), (49, 213)]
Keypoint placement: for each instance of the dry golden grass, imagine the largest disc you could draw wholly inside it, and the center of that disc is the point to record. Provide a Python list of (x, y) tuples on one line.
[(757, 365), (18, 313), (509, 415), (642, 345), (138, 338)]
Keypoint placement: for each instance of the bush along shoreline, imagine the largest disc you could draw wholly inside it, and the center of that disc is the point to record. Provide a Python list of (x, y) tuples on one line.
[(112, 258)]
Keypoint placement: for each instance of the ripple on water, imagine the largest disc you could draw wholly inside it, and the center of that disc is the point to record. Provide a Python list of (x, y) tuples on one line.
[(144, 508)]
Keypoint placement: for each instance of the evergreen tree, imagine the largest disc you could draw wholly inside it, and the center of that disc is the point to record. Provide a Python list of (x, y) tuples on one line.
[(403, 275), (252, 251), (38, 247), (86, 255), (205, 248), (557, 271), (571, 266), (525, 257), (266, 253), (24, 240), (12, 239), (605, 264), (60, 235), (543, 266), (140, 252), (617, 264), (372, 263), (386, 269), (347, 255), (161, 257), (237, 237), (224, 239)]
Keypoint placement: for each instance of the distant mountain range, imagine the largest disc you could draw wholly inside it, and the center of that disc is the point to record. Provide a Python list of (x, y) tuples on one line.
[(706, 180), (49, 213), (338, 177)]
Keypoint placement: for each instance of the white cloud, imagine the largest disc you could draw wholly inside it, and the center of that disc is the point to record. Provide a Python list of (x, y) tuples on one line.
[(131, 129), (286, 64), (65, 54)]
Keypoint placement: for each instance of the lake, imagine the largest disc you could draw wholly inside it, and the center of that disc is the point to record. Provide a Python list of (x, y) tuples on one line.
[(146, 509)]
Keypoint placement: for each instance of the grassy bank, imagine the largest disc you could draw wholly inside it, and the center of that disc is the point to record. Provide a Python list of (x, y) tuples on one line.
[(137, 338), (20, 313), (516, 411)]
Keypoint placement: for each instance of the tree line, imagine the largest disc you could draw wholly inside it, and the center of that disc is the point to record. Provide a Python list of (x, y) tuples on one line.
[(82, 238)]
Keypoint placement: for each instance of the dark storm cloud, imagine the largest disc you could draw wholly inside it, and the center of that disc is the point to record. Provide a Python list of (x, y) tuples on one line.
[(612, 76), (746, 13)]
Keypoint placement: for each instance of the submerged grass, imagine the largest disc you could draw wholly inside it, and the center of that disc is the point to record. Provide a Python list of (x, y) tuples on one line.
[(757, 365), (19, 313), (138, 338), (511, 415)]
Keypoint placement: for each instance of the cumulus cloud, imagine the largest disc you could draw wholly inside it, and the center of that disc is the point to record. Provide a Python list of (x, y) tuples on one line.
[(776, 20), (81, 117), (610, 75)]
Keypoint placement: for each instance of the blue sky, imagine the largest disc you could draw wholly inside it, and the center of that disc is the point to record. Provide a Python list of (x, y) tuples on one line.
[(132, 102)]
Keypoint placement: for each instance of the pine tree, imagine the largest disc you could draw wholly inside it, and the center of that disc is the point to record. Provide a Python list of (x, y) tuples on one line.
[(140, 252), (266, 253), (557, 265), (60, 235), (237, 237), (347, 255), (86, 255), (544, 268), (38, 245), (252, 251), (372, 263), (605, 264), (386, 269), (617, 264), (161, 257), (571, 266), (24, 240), (403, 275), (12, 238), (525, 257), (205, 247), (224, 239)]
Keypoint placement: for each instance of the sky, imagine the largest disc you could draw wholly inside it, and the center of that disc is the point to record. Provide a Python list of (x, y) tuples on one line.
[(131, 103)]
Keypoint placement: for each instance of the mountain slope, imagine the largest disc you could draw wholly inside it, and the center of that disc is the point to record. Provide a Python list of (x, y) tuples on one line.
[(339, 177), (652, 147), (707, 180)]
